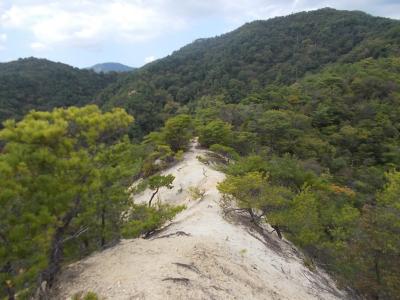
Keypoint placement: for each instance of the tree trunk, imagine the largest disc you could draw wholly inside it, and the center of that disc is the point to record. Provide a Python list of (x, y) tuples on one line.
[(152, 196), (103, 225), (57, 250), (252, 216), (278, 230)]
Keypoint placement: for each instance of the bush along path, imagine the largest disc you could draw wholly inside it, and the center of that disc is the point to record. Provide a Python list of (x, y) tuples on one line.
[(201, 254)]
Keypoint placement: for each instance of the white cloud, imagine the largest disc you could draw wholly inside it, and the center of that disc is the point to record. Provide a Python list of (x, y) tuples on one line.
[(37, 46), (3, 40), (88, 23), (91, 23), (149, 59)]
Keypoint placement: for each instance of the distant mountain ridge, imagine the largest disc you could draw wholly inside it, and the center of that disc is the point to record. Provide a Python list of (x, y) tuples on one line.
[(111, 67), (40, 84), (280, 50)]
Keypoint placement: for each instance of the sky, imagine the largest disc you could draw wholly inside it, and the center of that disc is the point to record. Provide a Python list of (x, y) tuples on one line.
[(134, 32)]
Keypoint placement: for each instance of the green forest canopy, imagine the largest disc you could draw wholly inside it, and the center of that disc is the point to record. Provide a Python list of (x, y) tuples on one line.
[(64, 177), (306, 106), (276, 51), (40, 84)]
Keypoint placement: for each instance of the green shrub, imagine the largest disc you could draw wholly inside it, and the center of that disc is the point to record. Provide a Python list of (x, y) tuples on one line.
[(215, 132), (196, 193), (144, 219), (225, 151), (87, 296)]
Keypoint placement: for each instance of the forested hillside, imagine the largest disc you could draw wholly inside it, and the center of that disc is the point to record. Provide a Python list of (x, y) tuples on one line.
[(279, 51), (322, 155), (302, 113), (307, 105), (40, 84)]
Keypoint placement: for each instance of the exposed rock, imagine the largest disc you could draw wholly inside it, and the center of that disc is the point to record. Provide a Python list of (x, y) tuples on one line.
[(214, 258)]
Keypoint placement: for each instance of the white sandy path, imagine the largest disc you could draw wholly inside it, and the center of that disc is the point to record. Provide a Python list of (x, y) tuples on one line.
[(219, 260)]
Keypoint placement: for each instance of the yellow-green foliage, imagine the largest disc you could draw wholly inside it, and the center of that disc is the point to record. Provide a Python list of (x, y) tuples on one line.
[(160, 157), (179, 155), (215, 132), (202, 159), (375, 250), (87, 296), (306, 231), (225, 151), (253, 191), (177, 132), (144, 219), (167, 145), (63, 177), (196, 193)]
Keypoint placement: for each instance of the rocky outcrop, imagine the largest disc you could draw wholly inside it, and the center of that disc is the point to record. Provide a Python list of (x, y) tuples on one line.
[(202, 254)]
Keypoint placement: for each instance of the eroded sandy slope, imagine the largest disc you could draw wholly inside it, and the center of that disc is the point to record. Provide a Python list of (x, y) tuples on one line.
[(201, 255)]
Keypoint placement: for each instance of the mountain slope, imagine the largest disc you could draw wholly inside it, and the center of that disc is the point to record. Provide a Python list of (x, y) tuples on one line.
[(41, 84), (279, 50), (111, 67), (202, 254)]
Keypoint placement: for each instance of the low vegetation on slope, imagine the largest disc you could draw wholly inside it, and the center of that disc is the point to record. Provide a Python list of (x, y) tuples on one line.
[(315, 159), (40, 84), (315, 155), (202, 254), (64, 177), (277, 51), (318, 163)]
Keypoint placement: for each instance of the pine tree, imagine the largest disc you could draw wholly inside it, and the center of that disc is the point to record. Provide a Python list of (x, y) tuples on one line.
[(63, 176)]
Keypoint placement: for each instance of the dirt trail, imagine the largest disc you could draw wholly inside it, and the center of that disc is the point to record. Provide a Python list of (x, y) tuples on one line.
[(201, 255)]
